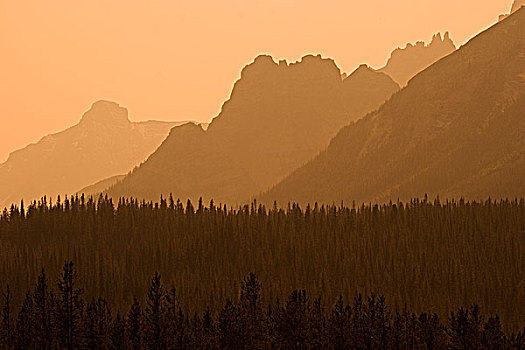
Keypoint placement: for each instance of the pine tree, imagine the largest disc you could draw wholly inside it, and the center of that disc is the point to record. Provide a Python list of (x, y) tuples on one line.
[(209, 331), (430, 332), (339, 326), (117, 333), (69, 309), (135, 326), (175, 327), (42, 313), (317, 326), (25, 325), (155, 315), (493, 337), (230, 336), (252, 317), (6, 331), (464, 329), (294, 321), (97, 323)]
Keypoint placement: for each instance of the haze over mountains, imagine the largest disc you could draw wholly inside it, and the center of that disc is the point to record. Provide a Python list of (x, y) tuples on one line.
[(279, 116), (406, 63), (456, 130), (104, 143)]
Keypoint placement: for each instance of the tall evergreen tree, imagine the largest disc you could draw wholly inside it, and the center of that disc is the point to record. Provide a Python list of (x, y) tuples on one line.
[(117, 333), (252, 317), (135, 326), (155, 315), (317, 326), (230, 331), (25, 325), (6, 326), (294, 327), (339, 325), (42, 313), (97, 325), (493, 337), (69, 308)]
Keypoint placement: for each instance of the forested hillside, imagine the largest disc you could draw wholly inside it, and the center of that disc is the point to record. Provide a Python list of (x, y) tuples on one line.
[(430, 255), (60, 317)]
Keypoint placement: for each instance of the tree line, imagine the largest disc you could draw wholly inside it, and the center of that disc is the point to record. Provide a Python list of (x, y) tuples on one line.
[(59, 318), (430, 255)]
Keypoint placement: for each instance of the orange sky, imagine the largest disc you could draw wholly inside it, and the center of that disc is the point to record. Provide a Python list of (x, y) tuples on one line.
[(174, 59)]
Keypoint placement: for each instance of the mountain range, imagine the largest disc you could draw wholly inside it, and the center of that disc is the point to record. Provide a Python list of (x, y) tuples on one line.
[(442, 134), (278, 117), (104, 143), (407, 62), (457, 130)]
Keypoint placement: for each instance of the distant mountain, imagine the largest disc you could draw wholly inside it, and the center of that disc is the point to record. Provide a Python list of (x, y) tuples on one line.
[(406, 63), (516, 5), (279, 116), (457, 129), (104, 143)]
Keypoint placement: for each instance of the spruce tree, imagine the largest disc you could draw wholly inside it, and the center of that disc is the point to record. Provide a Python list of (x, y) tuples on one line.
[(25, 325), (252, 317), (339, 325), (117, 333), (155, 315), (42, 313), (69, 309), (135, 326), (6, 327), (230, 332)]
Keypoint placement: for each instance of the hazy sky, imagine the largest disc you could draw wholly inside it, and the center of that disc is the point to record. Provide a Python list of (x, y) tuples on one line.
[(174, 60)]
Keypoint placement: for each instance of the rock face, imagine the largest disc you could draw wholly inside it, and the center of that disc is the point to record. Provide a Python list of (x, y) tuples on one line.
[(457, 130), (279, 116), (406, 63), (103, 144)]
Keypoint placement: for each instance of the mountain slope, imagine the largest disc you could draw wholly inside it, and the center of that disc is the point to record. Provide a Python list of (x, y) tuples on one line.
[(406, 63), (103, 144), (456, 130), (279, 116), (100, 186)]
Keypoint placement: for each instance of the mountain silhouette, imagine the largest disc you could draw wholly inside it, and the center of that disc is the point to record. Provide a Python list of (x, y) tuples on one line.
[(516, 5), (406, 63), (279, 116), (104, 143), (457, 130)]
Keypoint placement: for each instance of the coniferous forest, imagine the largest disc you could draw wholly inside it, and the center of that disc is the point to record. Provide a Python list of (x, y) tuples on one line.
[(428, 274)]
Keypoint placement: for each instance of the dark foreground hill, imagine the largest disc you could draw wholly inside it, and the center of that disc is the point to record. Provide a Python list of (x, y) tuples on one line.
[(456, 130), (279, 116)]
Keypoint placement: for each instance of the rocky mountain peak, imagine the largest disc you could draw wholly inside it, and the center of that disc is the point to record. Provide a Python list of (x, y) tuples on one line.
[(106, 112), (405, 63)]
